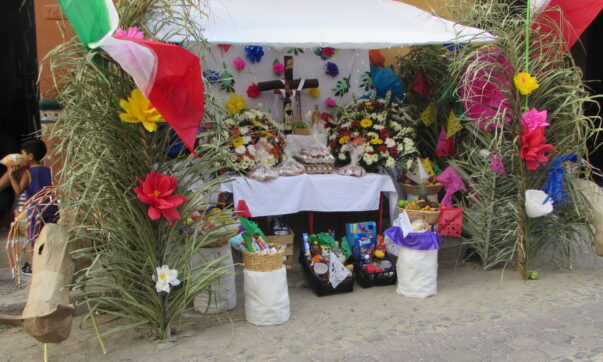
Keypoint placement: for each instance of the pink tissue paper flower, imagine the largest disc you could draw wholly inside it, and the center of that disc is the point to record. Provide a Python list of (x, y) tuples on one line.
[(330, 102), (533, 119), (279, 68), (496, 163), (239, 63), (132, 32)]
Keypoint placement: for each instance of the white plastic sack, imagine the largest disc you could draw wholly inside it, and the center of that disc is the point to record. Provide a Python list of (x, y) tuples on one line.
[(266, 297), (417, 272), (222, 295)]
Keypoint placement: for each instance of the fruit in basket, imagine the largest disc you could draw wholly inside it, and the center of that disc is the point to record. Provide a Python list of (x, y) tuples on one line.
[(402, 203)]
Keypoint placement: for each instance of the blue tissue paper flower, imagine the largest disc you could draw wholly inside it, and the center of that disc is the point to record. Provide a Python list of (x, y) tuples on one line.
[(212, 76), (254, 53), (332, 69)]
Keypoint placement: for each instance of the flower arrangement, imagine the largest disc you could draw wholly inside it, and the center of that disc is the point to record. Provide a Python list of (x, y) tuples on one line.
[(246, 129), (382, 126)]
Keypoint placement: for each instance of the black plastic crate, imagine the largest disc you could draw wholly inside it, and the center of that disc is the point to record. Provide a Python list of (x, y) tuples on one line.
[(322, 287), (367, 280)]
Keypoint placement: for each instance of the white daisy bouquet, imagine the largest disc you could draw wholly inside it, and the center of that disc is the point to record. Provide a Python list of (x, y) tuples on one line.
[(382, 126), (245, 130)]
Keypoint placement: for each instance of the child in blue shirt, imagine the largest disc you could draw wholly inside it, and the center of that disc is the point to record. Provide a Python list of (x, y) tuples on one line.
[(30, 179)]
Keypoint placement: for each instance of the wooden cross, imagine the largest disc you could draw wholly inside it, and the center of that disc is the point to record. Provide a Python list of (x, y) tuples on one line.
[(288, 85)]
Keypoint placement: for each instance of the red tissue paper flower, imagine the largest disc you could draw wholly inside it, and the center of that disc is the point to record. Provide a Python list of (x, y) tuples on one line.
[(328, 51), (532, 149), (156, 190), (253, 91)]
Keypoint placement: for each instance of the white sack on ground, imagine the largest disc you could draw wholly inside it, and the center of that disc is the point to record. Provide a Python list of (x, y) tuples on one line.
[(266, 297), (222, 295), (417, 272)]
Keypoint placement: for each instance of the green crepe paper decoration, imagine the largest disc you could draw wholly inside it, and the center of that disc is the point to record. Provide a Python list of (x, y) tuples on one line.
[(89, 18), (367, 81), (251, 228), (447, 94), (437, 170), (345, 247), (342, 87), (227, 81), (323, 239), (295, 51)]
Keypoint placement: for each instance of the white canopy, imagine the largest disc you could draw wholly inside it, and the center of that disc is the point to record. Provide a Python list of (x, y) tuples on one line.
[(344, 24)]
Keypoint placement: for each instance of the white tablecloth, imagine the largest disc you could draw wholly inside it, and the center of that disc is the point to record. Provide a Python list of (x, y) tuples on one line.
[(327, 193)]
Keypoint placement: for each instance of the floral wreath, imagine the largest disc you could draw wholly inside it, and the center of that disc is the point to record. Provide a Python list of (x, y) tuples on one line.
[(381, 125), (245, 130)]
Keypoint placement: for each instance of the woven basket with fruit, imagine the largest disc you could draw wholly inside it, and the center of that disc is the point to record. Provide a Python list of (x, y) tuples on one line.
[(426, 210), (411, 188)]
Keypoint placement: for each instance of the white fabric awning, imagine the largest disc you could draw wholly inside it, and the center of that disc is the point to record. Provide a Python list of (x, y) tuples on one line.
[(344, 24)]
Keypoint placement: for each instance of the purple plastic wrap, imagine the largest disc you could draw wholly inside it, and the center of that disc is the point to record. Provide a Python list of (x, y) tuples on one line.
[(416, 241)]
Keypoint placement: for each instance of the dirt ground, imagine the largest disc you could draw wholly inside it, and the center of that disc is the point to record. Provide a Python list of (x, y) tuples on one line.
[(476, 316)]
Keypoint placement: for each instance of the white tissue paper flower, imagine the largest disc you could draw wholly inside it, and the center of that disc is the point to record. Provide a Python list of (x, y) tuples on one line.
[(164, 278)]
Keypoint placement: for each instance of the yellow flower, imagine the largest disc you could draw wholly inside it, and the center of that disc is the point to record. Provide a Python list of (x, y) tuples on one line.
[(376, 141), (366, 123), (343, 140), (525, 83), (236, 104), (257, 123), (237, 142), (314, 92), (139, 110)]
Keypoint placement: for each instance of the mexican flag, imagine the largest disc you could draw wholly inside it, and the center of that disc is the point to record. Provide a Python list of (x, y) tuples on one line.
[(168, 75)]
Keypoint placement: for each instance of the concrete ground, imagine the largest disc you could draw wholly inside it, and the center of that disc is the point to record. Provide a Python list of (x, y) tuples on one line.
[(476, 316)]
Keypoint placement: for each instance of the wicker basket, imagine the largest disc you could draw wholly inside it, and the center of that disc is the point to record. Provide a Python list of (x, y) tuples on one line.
[(264, 262), (287, 242), (415, 189), (302, 131), (430, 217)]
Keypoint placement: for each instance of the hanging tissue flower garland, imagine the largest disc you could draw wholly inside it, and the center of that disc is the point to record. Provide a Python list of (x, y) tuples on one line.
[(254, 53), (139, 110), (253, 91), (212, 76), (238, 63), (331, 69), (525, 83), (278, 67), (225, 47), (330, 102), (325, 53), (157, 190), (235, 104), (227, 81), (164, 278), (314, 92), (132, 32)]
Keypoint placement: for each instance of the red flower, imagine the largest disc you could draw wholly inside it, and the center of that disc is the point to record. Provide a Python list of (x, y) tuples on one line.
[(384, 133), (156, 190), (383, 148), (328, 51), (532, 149), (393, 152), (253, 91)]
